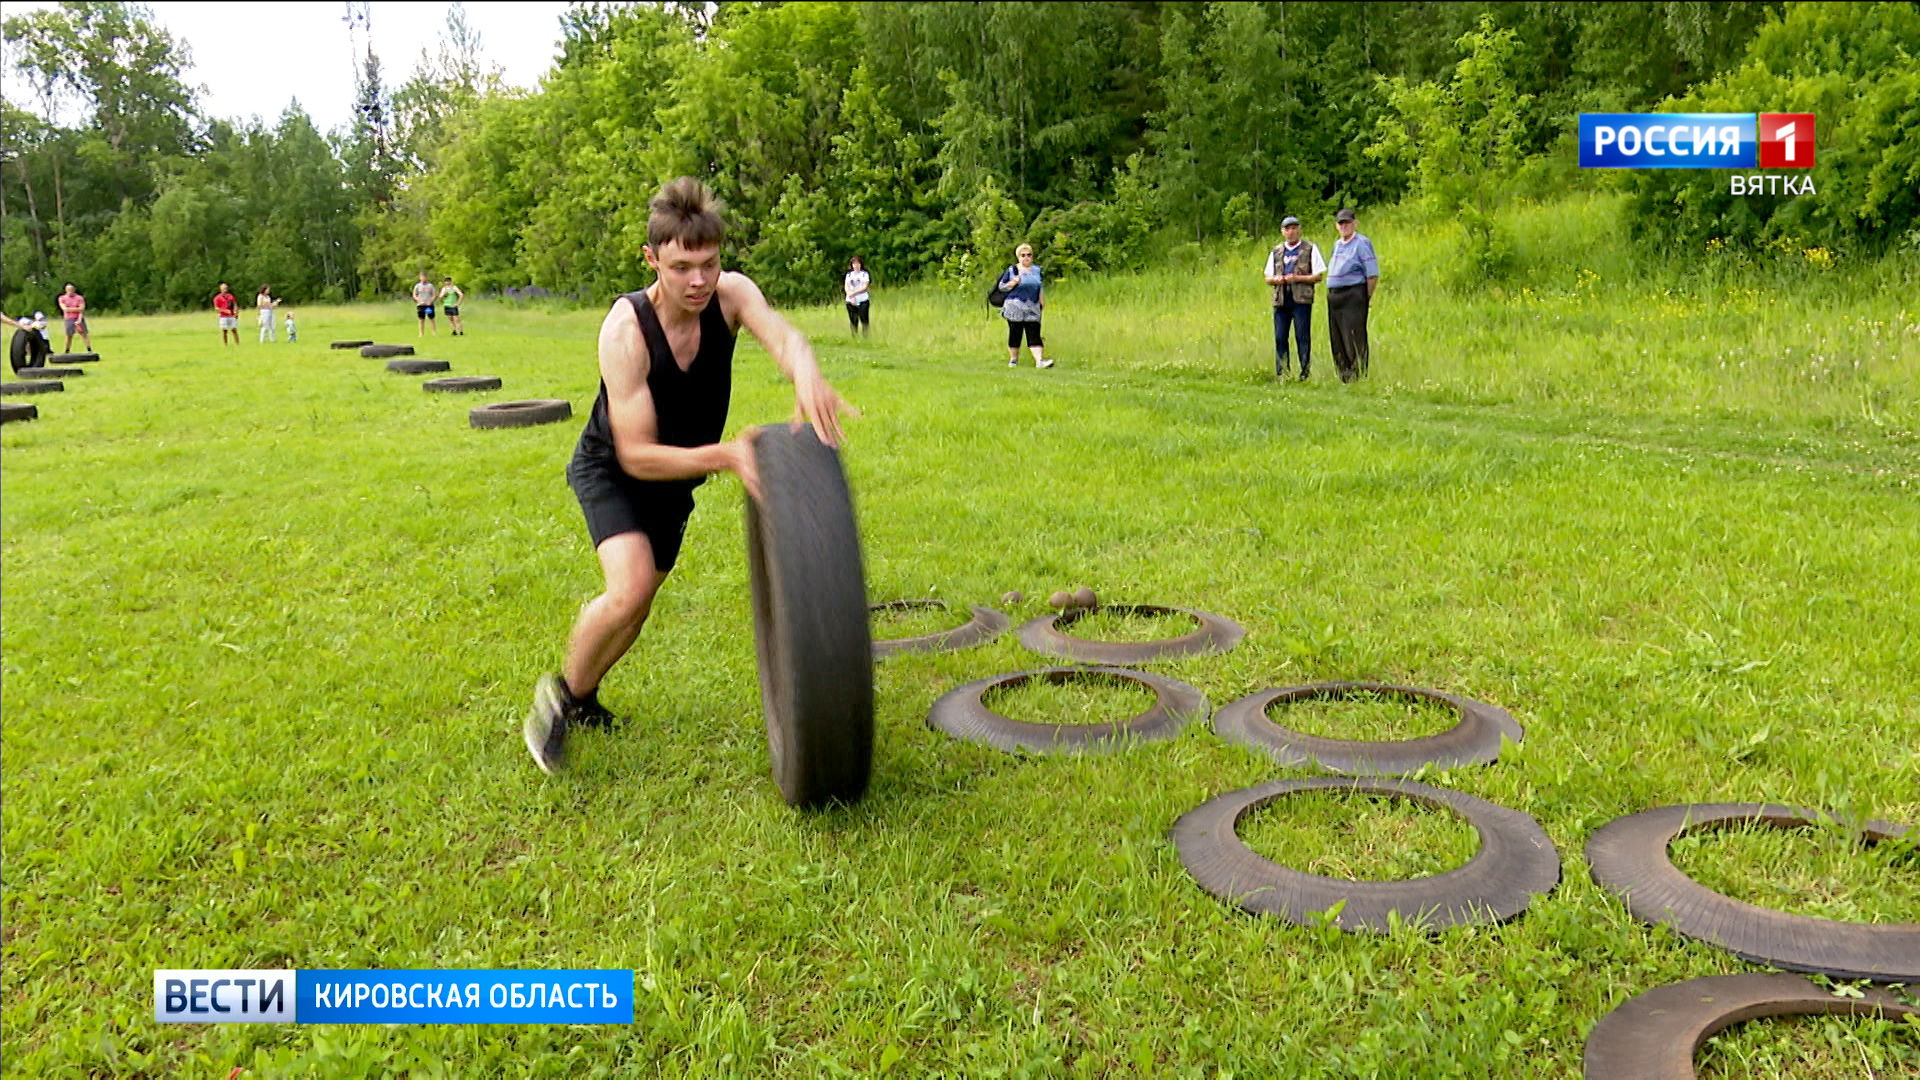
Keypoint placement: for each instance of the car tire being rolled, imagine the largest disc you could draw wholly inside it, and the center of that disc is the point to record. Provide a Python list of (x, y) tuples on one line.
[(512, 414), (418, 367), (461, 384), (27, 389), (810, 626), (28, 350), (381, 352), (18, 410), (1655, 1035)]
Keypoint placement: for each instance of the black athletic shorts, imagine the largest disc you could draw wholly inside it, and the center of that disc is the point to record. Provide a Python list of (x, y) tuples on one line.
[(450, 309), (424, 311), (615, 503)]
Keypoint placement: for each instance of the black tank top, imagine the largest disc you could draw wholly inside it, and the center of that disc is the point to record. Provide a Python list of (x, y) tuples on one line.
[(689, 407)]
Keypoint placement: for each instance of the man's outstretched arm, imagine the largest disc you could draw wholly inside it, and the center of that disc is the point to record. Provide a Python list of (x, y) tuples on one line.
[(814, 400)]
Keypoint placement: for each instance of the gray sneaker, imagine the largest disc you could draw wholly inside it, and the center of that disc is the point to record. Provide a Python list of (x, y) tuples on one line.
[(546, 726)]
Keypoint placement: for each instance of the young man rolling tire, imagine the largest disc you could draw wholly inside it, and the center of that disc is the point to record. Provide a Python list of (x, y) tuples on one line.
[(666, 361)]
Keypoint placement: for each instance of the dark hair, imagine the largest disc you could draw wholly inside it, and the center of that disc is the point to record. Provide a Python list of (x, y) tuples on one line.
[(856, 261), (685, 211)]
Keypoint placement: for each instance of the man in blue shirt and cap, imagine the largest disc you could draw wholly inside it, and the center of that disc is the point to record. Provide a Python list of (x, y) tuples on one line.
[(1352, 275), (1292, 269)]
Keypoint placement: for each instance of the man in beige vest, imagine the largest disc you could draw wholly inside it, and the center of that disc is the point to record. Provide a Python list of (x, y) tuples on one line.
[(1292, 270)]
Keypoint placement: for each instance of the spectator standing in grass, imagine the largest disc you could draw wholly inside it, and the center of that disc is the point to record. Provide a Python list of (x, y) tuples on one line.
[(73, 308), (859, 303), (1352, 275), (227, 307), (1292, 269), (450, 297), (1022, 307), (266, 303), (423, 294), (291, 332)]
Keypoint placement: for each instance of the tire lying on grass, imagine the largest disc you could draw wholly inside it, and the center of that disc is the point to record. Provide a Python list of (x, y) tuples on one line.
[(810, 620), (962, 713), (18, 410), (509, 414), (381, 352), (418, 367), (351, 344), (1654, 1036), (1215, 635), (51, 373), (38, 386), (462, 384), (1515, 863), (1629, 859), (1475, 740), (73, 358), (985, 625)]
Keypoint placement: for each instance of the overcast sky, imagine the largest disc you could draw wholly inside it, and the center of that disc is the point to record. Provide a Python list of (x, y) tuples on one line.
[(253, 59)]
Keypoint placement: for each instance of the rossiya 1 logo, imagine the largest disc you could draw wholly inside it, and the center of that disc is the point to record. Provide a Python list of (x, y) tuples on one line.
[(1705, 141)]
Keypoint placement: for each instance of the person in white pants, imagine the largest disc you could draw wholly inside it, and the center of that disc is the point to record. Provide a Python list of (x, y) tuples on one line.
[(266, 303)]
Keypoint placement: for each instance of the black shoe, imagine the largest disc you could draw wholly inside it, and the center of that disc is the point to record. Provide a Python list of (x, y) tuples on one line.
[(592, 714), (1303, 375), (545, 729)]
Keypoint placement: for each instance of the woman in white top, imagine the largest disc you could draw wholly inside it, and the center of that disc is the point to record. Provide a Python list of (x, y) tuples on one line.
[(858, 302), (266, 303)]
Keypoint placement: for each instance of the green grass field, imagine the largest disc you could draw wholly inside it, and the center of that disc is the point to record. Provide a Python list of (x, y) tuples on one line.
[(272, 617)]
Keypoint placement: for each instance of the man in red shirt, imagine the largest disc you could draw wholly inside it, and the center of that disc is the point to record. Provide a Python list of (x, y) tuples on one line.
[(73, 308), (227, 306)]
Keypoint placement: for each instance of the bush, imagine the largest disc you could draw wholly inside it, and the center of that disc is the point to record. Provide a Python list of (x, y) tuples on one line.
[(1236, 218)]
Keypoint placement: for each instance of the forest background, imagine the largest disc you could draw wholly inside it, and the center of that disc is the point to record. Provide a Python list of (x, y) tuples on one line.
[(931, 137)]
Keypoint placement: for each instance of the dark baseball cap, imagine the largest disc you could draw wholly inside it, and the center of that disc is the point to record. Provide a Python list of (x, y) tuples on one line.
[(1289, 220), (1344, 215)]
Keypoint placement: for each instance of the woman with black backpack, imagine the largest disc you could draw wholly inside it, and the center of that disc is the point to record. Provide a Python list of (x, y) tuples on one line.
[(1019, 294)]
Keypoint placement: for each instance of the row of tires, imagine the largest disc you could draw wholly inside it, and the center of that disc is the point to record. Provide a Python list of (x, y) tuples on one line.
[(36, 380), (504, 414)]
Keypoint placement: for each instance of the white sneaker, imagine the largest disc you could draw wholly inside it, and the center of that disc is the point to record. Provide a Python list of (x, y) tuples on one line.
[(1013, 363), (1044, 364)]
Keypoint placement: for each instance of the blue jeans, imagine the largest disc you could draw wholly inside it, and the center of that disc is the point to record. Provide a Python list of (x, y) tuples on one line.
[(1300, 317)]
